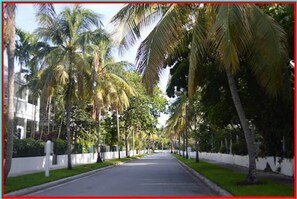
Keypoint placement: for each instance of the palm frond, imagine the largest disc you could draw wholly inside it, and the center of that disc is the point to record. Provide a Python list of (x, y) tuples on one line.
[(197, 53), (231, 33), (153, 50), (129, 22), (268, 53)]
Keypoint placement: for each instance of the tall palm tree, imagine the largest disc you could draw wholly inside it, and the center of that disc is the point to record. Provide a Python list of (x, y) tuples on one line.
[(119, 104), (108, 89), (236, 33), (30, 53), (177, 122), (69, 32), (10, 27)]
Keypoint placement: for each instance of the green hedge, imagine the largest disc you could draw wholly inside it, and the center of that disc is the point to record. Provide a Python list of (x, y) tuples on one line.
[(60, 147), (27, 148)]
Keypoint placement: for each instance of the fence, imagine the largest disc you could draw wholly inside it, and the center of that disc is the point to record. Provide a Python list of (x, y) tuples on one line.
[(277, 164), (26, 165)]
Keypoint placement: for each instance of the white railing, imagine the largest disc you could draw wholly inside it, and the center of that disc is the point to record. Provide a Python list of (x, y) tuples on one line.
[(26, 165)]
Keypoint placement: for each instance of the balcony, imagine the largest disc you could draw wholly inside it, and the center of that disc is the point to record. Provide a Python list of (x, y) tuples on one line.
[(25, 110)]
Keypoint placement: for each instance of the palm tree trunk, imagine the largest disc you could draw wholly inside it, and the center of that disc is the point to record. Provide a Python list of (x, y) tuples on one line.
[(99, 159), (184, 144), (187, 132), (34, 120), (10, 114), (68, 112), (41, 129), (179, 147), (49, 116), (249, 137), (118, 131), (196, 137), (127, 142), (60, 127)]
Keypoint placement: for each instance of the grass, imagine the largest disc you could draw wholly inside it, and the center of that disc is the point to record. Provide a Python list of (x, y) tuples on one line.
[(232, 181), (29, 180)]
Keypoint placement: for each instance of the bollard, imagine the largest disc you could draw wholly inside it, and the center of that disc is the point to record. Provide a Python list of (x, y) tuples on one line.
[(47, 150), (189, 152)]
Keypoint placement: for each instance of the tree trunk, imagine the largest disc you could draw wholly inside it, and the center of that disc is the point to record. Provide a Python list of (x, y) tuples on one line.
[(118, 132), (127, 142), (184, 144), (99, 159), (10, 114), (133, 145), (187, 132), (68, 112), (41, 129), (34, 120), (179, 146), (60, 127), (196, 137), (49, 115), (249, 137)]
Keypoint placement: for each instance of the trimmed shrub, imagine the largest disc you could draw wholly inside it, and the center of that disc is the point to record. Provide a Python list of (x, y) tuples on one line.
[(27, 148), (239, 148), (60, 147), (223, 149)]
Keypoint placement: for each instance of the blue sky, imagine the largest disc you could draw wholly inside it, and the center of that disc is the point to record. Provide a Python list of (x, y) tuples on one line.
[(25, 19)]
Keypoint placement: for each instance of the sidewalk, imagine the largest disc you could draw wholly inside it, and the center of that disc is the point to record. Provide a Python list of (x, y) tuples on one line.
[(261, 174)]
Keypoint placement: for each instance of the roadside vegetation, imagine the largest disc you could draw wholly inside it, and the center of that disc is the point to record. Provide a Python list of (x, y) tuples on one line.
[(231, 77), (233, 181)]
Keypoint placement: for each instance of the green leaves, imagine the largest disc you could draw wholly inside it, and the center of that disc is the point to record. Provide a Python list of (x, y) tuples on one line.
[(162, 40), (268, 53)]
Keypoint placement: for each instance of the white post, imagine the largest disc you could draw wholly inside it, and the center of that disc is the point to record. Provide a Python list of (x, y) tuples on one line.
[(189, 152), (47, 157)]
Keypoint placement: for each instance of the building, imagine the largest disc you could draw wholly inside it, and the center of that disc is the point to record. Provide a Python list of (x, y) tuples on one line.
[(27, 107)]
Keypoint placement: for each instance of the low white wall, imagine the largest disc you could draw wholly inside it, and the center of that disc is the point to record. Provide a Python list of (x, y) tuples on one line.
[(285, 166), (26, 165)]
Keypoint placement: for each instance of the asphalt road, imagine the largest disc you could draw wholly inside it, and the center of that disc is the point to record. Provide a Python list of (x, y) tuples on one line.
[(155, 175)]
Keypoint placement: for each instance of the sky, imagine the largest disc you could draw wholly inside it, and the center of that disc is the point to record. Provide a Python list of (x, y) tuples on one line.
[(25, 19)]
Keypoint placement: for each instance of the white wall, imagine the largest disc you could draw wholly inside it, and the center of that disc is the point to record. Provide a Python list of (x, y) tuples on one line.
[(26, 165), (286, 166)]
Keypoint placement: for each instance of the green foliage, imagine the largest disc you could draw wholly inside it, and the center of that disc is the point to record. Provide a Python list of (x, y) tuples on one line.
[(223, 149), (144, 109), (60, 146), (239, 148), (28, 148)]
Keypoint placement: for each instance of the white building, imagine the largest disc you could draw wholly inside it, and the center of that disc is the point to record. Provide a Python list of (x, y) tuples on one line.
[(26, 107)]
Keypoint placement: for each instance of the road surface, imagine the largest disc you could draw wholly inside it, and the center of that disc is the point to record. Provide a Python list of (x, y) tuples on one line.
[(154, 175)]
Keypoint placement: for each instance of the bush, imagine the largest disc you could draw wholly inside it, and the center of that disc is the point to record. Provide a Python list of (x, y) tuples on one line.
[(239, 148), (60, 147), (223, 149), (77, 148), (28, 148)]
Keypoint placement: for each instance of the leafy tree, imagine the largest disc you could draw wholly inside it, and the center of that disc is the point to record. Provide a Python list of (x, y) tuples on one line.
[(227, 29), (144, 109), (68, 32)]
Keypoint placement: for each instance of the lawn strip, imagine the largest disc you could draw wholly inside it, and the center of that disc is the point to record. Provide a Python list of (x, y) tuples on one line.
[(231, 181), (29, 180)]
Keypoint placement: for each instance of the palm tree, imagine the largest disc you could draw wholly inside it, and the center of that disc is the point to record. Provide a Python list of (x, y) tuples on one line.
[(108, 89), (121, 103), (30, 53), (69, 32), (236, 33), (177, 122), (10, 27)]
